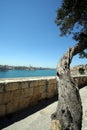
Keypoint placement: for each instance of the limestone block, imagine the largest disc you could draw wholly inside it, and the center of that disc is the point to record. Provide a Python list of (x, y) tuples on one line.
[(24, 102), (50, 94), (81, 80), (2, 87), (42, 89), (5, 97), (85, 80), (2, 110), (43, 95), (12, 106), (36, 95), (52, 81), (1, 98), (33, 83), (27, 92), (42, 82), (56, 92), (11, 86), (15, 94), (52, 87), (24, 84), (36, 91), (52, 90)]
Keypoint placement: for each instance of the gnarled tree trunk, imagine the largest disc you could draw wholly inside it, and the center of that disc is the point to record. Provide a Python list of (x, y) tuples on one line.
[(69, 109)]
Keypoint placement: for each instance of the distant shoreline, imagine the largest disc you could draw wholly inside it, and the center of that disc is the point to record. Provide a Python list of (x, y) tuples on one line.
[(7, 67)]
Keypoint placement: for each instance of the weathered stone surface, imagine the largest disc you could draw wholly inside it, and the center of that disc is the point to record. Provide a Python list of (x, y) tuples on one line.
[(50, 94), (12, 86), (24, 84), (43, 95), (42, 82), (75, 70), (81, 80), (52, 90), (36, 91), (52, 87), (52, 81), (34, 83), (2, 87), (5, 97), (2, 110), (12, 106), (36, 95), (19, 94), (15, 94), (42, 89), (27, 92), (24, 102)]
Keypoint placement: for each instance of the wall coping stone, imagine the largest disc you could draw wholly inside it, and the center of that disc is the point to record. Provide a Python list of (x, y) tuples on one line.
[(7, 80), (24, 79)]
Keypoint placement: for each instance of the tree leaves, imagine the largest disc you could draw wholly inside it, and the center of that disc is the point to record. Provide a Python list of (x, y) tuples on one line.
[(72, 19), (70, 13)]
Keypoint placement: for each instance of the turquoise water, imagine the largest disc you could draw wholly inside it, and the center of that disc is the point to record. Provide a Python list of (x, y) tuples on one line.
[(26, 73)]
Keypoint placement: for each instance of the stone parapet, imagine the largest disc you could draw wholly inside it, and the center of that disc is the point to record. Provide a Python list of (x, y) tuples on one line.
[(81, 80), (17, 94)]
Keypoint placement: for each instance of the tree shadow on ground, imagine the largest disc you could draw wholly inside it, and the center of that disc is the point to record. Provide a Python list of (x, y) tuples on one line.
[(11, 118)]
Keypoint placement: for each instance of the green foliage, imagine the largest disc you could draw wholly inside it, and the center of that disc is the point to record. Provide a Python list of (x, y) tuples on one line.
[(72, 19), (81, 70), (72, 15)]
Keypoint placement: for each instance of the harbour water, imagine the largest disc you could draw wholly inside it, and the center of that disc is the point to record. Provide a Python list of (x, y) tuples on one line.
[(26, 73)]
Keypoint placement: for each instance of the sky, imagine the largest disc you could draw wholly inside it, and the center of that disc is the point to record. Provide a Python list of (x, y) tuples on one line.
[(29, 35)]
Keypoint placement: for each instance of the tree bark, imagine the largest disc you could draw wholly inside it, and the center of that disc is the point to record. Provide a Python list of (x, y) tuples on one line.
[(69, 109)]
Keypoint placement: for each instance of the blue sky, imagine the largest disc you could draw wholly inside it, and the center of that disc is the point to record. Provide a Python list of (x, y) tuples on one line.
[(29, 35)]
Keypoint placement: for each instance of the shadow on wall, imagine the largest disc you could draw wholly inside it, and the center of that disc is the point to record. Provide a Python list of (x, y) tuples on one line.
[(11, 118)]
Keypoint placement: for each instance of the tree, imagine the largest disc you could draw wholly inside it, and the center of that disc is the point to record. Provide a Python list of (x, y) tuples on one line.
[(81, 70), (72, 20)]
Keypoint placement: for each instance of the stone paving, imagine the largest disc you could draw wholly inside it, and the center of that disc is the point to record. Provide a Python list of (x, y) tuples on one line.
[(41, 119), (83, 93), (38, 121)]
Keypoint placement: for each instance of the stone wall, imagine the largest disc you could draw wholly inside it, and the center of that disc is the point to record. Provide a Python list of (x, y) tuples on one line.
[(75, 70), (17, 94), (81, 80)]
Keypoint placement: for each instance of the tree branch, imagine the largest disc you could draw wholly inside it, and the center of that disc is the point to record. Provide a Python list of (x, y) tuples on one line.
[(64, 63)]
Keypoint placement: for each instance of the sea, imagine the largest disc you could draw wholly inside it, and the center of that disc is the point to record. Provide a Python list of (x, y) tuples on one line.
[(27, 73)]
